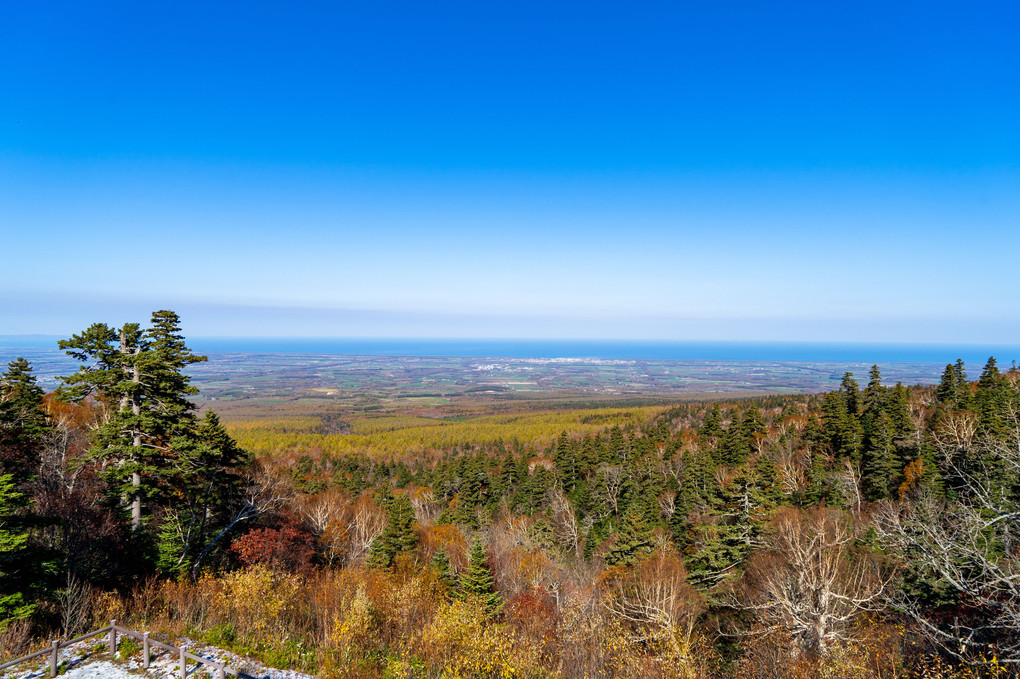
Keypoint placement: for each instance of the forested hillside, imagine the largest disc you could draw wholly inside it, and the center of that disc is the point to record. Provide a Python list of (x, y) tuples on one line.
[(868, 532)]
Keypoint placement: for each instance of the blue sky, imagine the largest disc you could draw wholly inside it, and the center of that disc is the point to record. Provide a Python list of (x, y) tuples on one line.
[(689, 171)]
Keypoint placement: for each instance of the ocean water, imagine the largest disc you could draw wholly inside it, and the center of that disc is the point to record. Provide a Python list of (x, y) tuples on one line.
[(620, 349), (972, 354)]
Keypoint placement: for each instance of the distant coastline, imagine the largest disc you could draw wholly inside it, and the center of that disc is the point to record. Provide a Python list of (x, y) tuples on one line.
[(973, 354)]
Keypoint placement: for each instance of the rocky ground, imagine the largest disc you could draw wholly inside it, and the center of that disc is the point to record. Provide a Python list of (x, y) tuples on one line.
[(89, 660)]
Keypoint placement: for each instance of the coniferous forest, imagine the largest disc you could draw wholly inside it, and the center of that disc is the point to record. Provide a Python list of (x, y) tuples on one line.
[(869, 532)]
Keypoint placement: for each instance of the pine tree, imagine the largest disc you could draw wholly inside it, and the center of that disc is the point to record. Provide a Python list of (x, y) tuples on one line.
[(842, 429), (898, 407), (139, 377), (712, 427), (398, 537), (18, 388), (23, 421), (818, 480), (507, 478), (444, 569), (633, 541), (734, 447), (873, 399), (206, 484), (851, 394), (814, 434), (12, 543), (881, 463), (947, 393), (963, 397), (991, 400), (619, 450), (476, 582)]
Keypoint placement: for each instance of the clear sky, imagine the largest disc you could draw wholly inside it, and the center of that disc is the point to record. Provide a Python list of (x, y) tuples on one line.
[(714, 170)]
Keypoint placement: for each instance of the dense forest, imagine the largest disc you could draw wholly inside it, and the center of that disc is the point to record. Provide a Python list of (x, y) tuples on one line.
[(873, 531)]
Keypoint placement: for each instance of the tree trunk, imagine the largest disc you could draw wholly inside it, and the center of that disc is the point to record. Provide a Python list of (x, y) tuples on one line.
[(136, 478)]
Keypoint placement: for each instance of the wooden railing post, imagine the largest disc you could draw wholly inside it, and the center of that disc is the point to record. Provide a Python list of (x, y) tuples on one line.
[(220, 669), (53, 657)]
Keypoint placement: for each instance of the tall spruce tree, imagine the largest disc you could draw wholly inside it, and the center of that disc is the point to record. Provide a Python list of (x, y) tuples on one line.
[(851, 394), (138, 376), (398, 537), (633, 540), (476, 582), (992, 400), (13, 540), (207, 481), (23, 421), (881, 463), (873, 400), (947, 393), (444, 569)]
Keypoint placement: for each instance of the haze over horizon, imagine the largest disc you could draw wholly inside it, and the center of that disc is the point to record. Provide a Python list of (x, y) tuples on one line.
[(795, 172)]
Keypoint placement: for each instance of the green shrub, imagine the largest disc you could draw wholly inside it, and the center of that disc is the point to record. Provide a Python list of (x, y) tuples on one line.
[(128, 647), (224, 634)]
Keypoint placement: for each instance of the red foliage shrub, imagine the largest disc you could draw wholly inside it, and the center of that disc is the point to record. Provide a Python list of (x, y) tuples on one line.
[(287, 549), (533, 613)]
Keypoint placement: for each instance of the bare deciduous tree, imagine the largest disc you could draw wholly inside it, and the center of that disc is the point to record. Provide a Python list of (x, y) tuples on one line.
[(814, 581), (611, 478), (75, 602), (848, 483), (566, 528), (971, 543), (264, 492), (659, 605)]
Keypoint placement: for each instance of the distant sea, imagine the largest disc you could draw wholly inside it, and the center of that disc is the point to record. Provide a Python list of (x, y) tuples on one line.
[(611, 349), (621, 349)]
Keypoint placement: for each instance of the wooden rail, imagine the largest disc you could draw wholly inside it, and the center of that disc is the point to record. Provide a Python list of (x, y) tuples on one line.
[(112, 630)]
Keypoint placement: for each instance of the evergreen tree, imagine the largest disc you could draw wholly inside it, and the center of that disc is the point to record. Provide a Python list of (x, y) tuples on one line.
[(842, 430), (752, 423), (23, 421), (444, 569), (948, 392), (963, 396), (399, 535), (13, 540), (712, 427), (874, 398), (565, 459), (633, 541), (818, 481), (991, 400), (881, 463), (898, 407), (714, 549), (851, 394), (476, 582), (206, 486), (619, 450), (139, 377), (814, 433), (507, 478)]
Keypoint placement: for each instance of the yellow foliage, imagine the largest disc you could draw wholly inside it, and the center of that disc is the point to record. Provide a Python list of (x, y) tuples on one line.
[(390, 436), (254, 598), (462, 642), (912, 473), (353, 629)]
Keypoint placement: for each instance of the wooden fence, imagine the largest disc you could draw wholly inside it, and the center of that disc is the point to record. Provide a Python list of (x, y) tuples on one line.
[(113, 629)]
